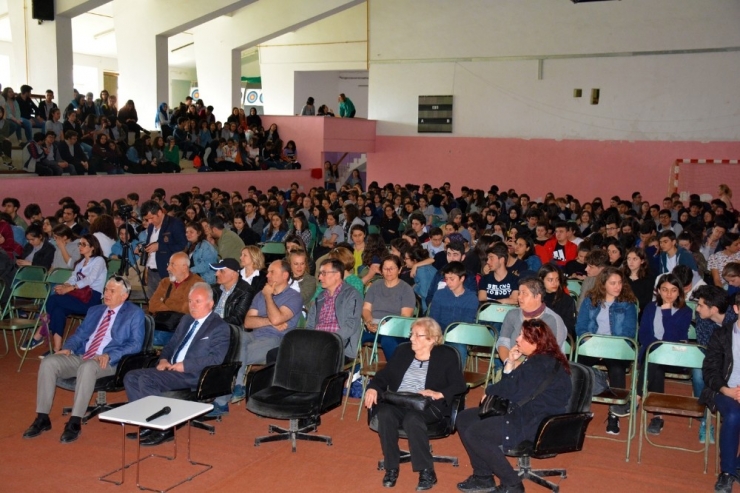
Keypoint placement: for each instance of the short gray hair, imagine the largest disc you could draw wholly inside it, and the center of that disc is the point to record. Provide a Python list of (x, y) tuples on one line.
[(205, 287)]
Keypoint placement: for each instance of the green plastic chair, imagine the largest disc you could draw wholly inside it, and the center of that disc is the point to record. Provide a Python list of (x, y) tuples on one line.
[(273, 248), (568, 347), (618, 348), (574, 287), (672, 354), (388, 326), (29, 273), (494, 312), (58, 276), (314, 237), (33, 292), (114, 265), (373, 229), (473, 335)]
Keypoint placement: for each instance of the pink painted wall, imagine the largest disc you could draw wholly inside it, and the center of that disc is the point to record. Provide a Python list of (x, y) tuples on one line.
[(584, 168), (46, 191), (314, 135)]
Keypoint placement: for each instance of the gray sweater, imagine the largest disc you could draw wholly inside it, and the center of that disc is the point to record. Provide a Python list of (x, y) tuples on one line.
[(348, 307)]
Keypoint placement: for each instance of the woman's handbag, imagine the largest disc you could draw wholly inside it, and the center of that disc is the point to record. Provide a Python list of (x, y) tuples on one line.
[(494, 405), (407, 400), (82, 294)]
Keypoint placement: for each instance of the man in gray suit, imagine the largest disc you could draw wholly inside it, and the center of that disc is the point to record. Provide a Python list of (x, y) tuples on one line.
[(201, 339), (109, 332)]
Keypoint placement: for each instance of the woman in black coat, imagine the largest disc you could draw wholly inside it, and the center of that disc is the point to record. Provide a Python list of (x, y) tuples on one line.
[(38, 250), (424, 367), (536, 356)]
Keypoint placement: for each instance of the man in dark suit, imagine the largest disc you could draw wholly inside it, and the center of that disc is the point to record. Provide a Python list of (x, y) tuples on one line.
[(201, 339), (109, 332), (165, 236)]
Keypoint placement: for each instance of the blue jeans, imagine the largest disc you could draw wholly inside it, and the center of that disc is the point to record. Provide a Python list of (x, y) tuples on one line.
[(729, 435), (27, 126), (59, 306), (697, 381)]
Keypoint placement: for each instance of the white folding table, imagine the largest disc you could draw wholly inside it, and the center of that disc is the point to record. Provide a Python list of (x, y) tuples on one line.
[(135, 414)]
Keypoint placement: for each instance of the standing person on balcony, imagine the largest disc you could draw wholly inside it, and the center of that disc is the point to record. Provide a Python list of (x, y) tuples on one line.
[(346, 107)]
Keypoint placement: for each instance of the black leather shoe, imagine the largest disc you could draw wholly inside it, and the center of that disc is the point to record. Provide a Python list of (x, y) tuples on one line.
[(143, 433), (477, 484), (71, 432), (39, 426), (158, 437), (724, 483), (390, 478), (427, 479), (515, 488)]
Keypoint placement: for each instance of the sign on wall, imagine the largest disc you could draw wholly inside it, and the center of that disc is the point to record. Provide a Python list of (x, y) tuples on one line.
[(435, 114)]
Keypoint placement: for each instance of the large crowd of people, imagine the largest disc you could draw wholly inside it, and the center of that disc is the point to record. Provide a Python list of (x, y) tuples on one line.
[(354, 257)]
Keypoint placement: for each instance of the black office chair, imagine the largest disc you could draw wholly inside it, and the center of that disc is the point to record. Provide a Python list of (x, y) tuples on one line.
[(114, 383), (305, 382), (435, 431), (558, 434), (214, 381)]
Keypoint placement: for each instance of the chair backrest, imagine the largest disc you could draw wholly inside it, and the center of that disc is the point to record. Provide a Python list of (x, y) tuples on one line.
[(148, 346), (470, 334), (675, 354), (58, 276), (494, 312), (114, 265), (30, 273), (582, 384), (232, 354), (273, 248), (574, 287), (305, 358), (35, 291), (373, 229), (603, 346), (396, 326)]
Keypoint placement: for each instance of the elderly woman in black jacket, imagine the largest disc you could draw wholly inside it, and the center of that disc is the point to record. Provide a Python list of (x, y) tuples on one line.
[(424, 367), (535, 357)]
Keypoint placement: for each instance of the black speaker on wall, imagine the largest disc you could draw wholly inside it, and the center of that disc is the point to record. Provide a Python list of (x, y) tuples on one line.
[(43, 10)]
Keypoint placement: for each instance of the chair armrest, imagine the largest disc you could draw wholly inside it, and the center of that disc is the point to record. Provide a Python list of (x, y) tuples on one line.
[(217, 380), (260, 380), (331, 394), (131, 362)]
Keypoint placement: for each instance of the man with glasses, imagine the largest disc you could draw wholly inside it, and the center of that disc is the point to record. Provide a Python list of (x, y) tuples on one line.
[(338, 308), (612, 227), (109, 332)]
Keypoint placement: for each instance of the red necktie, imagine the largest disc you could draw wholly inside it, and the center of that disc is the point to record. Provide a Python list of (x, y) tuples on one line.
[(99, 335)]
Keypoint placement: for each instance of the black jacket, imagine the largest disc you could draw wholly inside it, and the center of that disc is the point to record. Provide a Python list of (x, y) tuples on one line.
[(523, 422), (566, 308), (717, 366), (44, 257), (444, 373), (238, 303)]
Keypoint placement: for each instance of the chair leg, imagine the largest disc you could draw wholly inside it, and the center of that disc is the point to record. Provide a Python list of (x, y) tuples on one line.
[(203, 426), (293, 433)]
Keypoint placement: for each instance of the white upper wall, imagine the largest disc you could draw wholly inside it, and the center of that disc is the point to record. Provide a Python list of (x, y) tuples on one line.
[(472, 28), (432, 48), (337, 43)]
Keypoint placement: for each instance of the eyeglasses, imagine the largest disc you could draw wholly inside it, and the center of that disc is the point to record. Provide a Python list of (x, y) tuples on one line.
[(84, 244), (414, 335), (325, 272)]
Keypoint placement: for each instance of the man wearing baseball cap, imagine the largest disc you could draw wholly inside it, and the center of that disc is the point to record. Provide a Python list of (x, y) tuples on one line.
[(232, 295)]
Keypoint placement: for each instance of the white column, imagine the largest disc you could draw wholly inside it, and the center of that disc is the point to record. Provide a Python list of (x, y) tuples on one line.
[(42, 52), (142, 28), (218, 43)]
